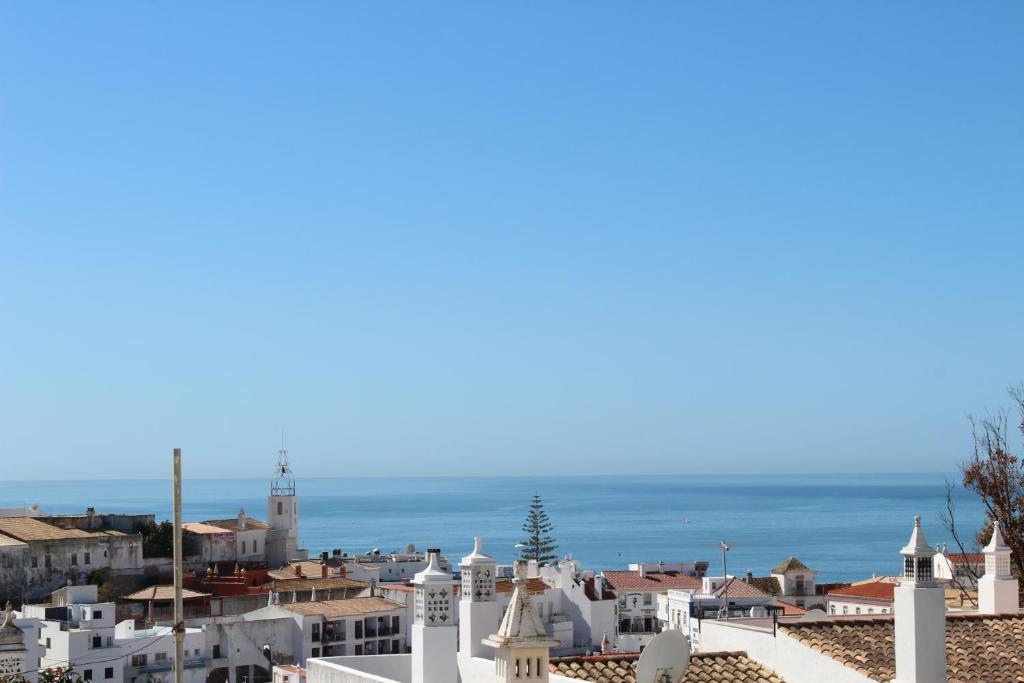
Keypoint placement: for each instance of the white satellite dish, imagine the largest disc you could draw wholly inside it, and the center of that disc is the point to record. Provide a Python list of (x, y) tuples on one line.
[(665, 659)]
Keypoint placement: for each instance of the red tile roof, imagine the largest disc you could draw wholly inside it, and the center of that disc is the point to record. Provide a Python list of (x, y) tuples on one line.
[(790, 610), (740, 589), (966, 558), (705, 667), (653, 581), (873, 590), (533, 586)]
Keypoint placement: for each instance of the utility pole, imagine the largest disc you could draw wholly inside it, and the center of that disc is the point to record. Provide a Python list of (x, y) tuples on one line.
[(725, 571), (179, 610)]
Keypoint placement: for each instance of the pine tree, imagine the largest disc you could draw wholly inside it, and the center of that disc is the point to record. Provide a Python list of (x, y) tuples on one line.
[(538, 544)]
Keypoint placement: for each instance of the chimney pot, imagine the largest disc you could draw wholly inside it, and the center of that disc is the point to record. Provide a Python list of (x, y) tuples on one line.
[(323, 571)]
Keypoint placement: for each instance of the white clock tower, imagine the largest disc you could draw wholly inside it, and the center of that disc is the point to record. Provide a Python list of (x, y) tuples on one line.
[(478, 604), (282, 543), (434, 639)]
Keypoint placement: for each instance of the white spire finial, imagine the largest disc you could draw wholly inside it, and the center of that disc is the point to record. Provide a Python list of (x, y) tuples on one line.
[(478, 546), (996, 543)]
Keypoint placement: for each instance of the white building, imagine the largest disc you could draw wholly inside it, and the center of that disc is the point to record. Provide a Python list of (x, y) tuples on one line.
[(78, 630), (636, 593), (36, 557), (874, 596), (961, 570), (718, 598), (149, 653)]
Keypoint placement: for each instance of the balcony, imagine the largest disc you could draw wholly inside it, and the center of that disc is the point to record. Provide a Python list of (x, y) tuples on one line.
[(168, 665)]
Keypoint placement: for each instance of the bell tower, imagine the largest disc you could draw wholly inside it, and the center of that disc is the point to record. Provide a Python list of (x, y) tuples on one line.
[(282, 514), (478, 605), (919, 605)]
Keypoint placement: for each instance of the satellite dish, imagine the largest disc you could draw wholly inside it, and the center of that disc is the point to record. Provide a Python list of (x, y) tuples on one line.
[(665, 659)]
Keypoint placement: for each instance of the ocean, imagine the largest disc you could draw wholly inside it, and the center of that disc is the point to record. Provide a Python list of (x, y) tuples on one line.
[(846, 527)]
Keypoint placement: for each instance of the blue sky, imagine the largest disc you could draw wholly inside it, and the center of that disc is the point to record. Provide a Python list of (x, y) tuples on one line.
[(490, 238)]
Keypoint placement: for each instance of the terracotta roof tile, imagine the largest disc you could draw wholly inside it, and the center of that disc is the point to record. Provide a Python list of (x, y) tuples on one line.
[(979, 648), (705, 667), (533, 586), (740, 589), (232, 524), (163, 593), (791, 564), (330, 583), (29, 529), (873, 590), (656, 581), (343, 608)]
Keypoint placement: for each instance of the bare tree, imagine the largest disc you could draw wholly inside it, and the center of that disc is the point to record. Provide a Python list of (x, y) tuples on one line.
[(996, 475)]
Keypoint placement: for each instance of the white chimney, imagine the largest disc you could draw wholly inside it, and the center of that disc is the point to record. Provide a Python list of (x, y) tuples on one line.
[(434, 636), (919, 605), (997, 589), (643, 570)]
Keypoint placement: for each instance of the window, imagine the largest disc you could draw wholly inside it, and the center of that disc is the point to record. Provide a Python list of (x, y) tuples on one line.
[(517, 668), (316, 633), (108, 672), (394, 625), (316, 652), (87, 674), (46, 561), (254, 544), (280, 508), (243, 547), (35, 562), (140, 660), (97, 614), (846, 610), (216, 651), (831, 609), (47, 643), (160, 656), (648, 598), (97, 641), (74, 561), (800, 583), (359, 629), (857, 611), (396, 646), (88, 557), (359, 650)]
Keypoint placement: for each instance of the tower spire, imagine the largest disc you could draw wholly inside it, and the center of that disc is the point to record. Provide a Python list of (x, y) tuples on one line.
[(283, 482)]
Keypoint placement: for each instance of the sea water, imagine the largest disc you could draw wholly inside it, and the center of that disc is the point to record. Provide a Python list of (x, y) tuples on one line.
[(846, 527)]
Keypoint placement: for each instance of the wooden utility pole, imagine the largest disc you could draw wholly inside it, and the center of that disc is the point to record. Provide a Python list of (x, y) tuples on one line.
[(179, 611)]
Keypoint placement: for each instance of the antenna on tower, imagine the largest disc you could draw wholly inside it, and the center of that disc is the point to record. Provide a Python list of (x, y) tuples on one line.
[(283, 483)]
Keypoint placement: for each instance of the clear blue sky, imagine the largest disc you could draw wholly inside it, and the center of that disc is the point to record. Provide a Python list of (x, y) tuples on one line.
[(506, 237)]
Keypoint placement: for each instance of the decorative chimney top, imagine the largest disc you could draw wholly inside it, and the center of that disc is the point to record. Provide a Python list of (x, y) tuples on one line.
[(521, 624), (432, 589), (917, 558)]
